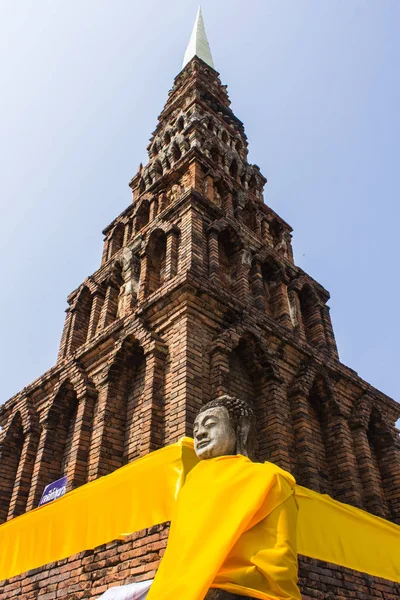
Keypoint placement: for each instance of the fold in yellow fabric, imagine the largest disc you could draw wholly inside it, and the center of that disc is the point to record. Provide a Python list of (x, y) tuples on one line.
[(224, 499), (145, 493)]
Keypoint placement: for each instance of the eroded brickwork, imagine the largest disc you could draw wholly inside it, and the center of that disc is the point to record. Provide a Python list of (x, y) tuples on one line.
[(197, 295)]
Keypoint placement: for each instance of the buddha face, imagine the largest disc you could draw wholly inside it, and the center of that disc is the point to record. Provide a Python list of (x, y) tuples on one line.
[(213, 433)]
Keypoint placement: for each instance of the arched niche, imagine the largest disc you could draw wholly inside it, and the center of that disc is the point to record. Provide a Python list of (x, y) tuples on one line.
[(380, 441), (59, 429), (113, 287), (124, 404), (10, 454), (319, 422), (80, 319), (116, 240), (229, 247), (156, 260), (142, 215), (265, 277), (310, 315), (250, 378), (249, 216)]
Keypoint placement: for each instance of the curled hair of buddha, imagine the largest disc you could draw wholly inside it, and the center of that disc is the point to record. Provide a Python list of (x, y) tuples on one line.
[(243, 421)]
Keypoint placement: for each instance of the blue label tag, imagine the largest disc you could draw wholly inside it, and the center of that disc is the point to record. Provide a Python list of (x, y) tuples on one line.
[(54, 490)]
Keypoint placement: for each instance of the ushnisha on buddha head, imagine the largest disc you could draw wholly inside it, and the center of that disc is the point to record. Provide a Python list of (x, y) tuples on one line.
[(224, 426)]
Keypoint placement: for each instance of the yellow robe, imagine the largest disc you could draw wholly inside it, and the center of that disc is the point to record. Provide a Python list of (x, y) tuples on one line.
[(226, 506)]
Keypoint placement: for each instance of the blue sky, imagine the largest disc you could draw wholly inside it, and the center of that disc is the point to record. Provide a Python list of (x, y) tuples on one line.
[(317, 85)]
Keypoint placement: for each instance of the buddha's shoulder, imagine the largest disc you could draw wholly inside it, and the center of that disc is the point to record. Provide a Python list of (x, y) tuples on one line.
[(275, 470)]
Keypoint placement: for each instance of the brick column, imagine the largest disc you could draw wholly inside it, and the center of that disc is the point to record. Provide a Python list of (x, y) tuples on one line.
[(257, 224), (274, 441), (97, 305), (312, 321), (257, 287), (144, 278), (295, 314), (78, 459), (266, 236), (105, 254), (209, 188), (110, 306), (281, 304), (24, 474), (307, 465), (127, 233), (153, 210), (219, 371), (191, 239), (329, 335), (171, 258), (37, 486), (62, 353), (228, 206), (196, 176), (213, 256), (390, 473), (346, 486), (153, 426), (98, 463), (374, 499), (317, 328), (241, 286)]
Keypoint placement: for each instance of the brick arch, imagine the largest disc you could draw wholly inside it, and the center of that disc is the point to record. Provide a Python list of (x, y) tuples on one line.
[(319, 397), (11, 448), (309, 306), (125, 387), (223, 195), (228, 244), (242, 366), (65, 436), (116, 239), (112, 287), (314, 408), (267, 283), (80, 312), (91, 284), (210, 142), (377, 451), (182, 142), (142, 214), (249, 216), (175, 151), (23, 457), (59, 425), (385, 452), (250, 372), (157, 168), (156, 254)]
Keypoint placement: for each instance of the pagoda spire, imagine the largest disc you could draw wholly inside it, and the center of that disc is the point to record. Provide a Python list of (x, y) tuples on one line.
[(198, 43)]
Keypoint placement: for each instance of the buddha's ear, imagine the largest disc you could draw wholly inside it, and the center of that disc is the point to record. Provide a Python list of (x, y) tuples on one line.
[(242, 438), (246, 440)]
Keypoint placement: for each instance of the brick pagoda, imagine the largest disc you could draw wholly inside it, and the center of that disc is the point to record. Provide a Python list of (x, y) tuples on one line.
[(197, 295)]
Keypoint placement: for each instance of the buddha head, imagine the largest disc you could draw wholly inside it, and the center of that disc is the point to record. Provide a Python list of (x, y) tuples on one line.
[(223, 427)]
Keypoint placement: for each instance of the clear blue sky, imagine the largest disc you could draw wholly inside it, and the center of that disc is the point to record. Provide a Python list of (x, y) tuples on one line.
[(317, 85)]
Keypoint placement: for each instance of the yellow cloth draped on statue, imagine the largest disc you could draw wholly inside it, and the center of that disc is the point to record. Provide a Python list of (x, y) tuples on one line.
[(227, 506), (145, 493)]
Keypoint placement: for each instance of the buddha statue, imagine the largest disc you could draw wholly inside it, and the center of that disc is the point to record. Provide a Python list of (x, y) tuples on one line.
[(222, 427), (234, 529)]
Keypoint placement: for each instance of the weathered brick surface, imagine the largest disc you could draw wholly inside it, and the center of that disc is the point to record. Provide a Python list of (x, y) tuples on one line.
[(197, 294)]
